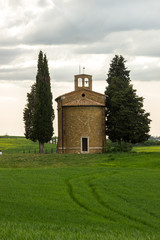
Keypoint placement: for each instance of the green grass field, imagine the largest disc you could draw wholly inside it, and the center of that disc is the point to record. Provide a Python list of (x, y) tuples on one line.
[(80, 197), (148, 149), (22, 145)]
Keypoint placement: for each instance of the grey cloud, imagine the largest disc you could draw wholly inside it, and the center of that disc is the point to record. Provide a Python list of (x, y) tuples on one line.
[(8, 41), (90, 21), (8, 56), (19, 18), (135, 43), (149, 74), (73, 28), (18, 74), (83, 22), (63, 74)]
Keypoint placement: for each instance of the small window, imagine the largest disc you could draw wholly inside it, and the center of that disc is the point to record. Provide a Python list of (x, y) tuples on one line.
[(83, 95), (86, 82), (79, 82)]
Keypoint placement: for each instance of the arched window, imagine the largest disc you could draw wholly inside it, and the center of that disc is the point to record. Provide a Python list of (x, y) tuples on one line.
[(79, 82), (86, 82)]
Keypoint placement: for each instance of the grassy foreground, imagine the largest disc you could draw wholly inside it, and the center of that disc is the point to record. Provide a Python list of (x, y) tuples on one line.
[(86, 197)]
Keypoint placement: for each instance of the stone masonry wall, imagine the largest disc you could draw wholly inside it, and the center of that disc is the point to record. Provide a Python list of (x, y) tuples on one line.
[(82, 122)]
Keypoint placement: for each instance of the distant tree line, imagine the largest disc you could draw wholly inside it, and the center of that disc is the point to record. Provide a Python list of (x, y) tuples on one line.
[(8, 136), (150, 142)]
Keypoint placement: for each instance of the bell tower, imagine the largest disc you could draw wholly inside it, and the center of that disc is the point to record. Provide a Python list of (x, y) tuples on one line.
[(83, 81)]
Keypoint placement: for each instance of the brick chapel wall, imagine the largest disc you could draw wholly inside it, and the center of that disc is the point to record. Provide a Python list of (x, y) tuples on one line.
[(82, 122)]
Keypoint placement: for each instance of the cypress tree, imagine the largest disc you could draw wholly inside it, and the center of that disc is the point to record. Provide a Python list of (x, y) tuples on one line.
[(28, 114), (126, 120), (41, 123)]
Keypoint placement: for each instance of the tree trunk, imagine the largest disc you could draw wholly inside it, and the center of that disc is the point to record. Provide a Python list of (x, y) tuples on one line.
[(41, 147)]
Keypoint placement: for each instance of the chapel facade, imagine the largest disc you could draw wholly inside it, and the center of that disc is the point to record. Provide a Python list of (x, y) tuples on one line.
[(81, 118)]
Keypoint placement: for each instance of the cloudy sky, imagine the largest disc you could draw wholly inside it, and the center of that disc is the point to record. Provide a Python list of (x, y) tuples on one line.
[(76, 32)]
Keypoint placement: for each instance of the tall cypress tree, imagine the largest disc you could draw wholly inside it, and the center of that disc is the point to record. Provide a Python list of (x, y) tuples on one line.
[(41, 120), (126, 120)]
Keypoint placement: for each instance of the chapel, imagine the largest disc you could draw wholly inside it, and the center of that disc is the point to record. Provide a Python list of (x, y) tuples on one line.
[(81, 118)]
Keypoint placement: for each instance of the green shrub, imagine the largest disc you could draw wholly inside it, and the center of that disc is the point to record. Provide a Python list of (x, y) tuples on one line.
[(118, 147)]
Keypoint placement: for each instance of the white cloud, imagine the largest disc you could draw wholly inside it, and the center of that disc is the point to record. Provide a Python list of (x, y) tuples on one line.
[(72, 33), (150, 92), (145, 68)]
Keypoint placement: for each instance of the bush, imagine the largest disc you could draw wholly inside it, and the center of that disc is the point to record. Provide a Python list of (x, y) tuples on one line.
[(118, 147)]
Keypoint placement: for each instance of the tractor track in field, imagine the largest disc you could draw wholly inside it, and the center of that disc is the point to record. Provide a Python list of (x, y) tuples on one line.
[(80, 204), (107, 206), (144, 209)]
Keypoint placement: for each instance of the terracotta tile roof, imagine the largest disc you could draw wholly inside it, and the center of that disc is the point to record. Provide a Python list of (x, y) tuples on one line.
[(83, 102), (82, 89)]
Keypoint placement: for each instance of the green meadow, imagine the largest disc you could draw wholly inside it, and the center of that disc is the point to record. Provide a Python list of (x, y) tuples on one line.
[(22, 145), (113, 196)]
